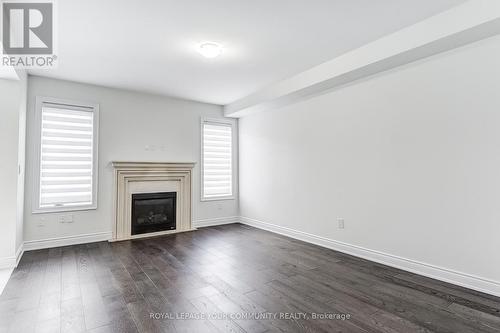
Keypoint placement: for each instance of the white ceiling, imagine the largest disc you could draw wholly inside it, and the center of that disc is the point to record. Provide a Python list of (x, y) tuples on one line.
[(151, 45)]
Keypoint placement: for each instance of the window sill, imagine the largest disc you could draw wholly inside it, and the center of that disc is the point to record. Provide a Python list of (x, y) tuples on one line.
[(63, 209), (232, 197)]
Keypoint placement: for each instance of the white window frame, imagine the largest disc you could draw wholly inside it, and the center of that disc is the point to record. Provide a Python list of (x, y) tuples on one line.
[(73, 105), (225, 122)]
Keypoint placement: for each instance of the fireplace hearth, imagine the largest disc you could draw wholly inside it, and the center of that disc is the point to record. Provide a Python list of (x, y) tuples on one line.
[(153, 212)]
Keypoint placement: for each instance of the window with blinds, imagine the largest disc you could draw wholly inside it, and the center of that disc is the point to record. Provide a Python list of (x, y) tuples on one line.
[(217, 160), (68, 166)]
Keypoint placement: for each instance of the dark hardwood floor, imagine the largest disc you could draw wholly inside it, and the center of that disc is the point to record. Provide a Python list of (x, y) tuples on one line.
[(232, 270)]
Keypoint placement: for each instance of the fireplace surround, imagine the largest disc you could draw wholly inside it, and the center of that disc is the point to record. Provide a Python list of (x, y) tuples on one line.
[(140, 179)]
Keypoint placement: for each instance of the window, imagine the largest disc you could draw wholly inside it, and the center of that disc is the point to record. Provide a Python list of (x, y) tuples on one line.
[(217, 160), (66, 156)]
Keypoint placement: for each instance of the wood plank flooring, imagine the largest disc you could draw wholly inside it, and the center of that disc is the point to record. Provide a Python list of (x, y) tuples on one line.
[(228, 271)]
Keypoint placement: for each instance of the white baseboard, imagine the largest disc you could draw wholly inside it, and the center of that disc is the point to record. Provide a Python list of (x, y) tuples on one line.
[(64, 241), (4, 277), (103, 236), (435, 272), (19, 254), (215, 221), (7, 262), (11, 262)]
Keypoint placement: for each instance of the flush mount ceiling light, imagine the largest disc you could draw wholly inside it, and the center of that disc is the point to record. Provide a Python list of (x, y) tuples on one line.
[(210, 49)]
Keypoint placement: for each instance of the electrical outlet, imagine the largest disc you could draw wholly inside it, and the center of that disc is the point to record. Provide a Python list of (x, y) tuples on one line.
[(41, 222), (66, 219), (340, 222)]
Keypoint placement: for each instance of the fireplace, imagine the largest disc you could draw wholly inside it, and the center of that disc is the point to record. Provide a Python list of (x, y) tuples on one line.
[(137, 178), (153, 212)]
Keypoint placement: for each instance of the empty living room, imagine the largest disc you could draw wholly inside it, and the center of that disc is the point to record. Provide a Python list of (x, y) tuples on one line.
[(249, 166)]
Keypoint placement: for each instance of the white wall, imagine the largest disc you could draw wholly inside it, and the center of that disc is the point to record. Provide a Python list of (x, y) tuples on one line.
[(129, 122), (409, 158), (21, 158), (12, 129)]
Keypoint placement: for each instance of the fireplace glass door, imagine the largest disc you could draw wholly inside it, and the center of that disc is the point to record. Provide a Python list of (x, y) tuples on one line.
[(153, 212)]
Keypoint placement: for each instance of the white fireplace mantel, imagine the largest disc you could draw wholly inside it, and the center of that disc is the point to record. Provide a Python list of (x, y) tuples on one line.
[(150, 177)]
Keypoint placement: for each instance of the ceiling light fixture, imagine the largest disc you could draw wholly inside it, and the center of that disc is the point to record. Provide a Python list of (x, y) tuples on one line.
[(210, 49)]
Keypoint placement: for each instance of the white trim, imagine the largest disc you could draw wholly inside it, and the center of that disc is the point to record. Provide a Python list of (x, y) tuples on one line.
[(104, 236), (8, 262), (234, 161), (5, 274), (19, 254), (11, 262), (98, 237), (215, 221), (221, 198), (65, 241), (435, 272), (36, 146)]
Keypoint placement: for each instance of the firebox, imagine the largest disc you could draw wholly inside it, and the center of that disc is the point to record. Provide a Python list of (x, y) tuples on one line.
[(153, 212)]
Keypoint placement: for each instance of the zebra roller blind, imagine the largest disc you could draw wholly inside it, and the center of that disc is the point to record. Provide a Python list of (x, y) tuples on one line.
[(67, 156), (217, 160)]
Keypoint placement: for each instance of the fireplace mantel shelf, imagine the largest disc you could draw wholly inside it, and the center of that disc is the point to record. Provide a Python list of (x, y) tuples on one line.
[(151, 177), (123, 164)]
